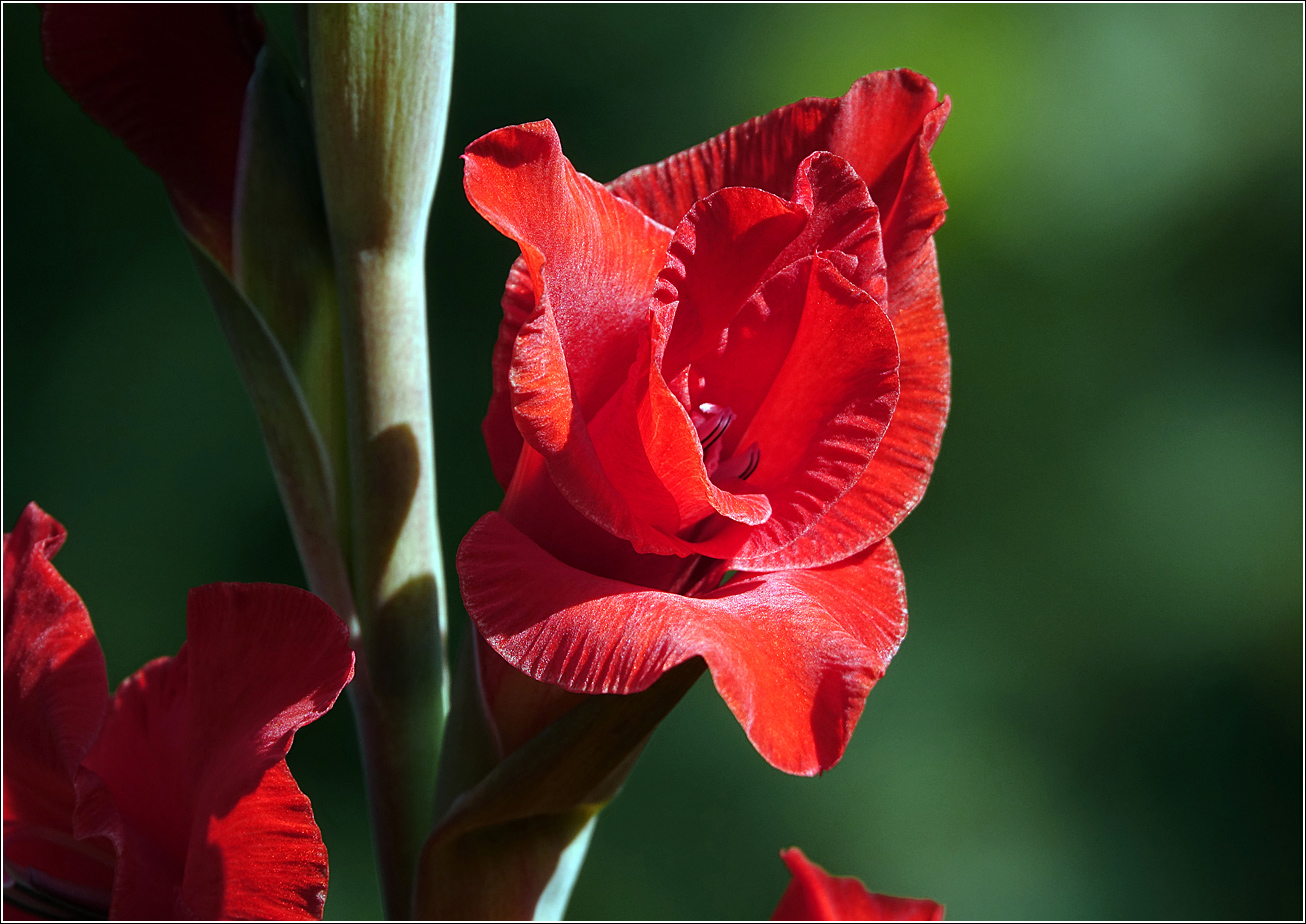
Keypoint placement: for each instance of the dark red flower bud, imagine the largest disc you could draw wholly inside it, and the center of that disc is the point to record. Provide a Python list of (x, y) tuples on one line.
[(170, 81)]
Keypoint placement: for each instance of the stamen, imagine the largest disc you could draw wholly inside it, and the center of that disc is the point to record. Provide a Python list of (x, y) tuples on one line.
[(740, 466), (710, 422), (50, 897)]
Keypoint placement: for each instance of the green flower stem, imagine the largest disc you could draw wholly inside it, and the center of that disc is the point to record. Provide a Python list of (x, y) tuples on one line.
[(379, 76), (398, 695), (511, 845)]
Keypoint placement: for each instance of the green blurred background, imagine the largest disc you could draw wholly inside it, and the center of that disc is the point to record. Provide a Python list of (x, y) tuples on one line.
[(1097, 712)]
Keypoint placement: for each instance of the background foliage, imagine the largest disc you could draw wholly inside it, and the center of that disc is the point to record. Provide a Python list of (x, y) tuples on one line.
[(1097, 712)]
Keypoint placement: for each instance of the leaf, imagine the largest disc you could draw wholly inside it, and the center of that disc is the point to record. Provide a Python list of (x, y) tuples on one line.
[(282, 248), (299, 460), (495, 852)]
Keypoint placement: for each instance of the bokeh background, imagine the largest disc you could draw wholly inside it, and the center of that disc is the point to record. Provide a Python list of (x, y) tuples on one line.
[(1098, 710)]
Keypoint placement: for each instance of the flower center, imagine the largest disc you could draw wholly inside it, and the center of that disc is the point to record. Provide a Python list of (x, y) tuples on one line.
[(710, 423), (741, 465)]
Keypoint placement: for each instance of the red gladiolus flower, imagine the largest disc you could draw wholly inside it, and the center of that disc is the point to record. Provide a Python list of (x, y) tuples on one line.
[(172, 799), (720, 382), (815, 895), (170, 81)]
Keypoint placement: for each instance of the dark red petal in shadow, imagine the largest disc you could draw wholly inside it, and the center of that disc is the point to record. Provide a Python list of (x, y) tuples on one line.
[(136, 788), (815, 895), (55, 697), (169, 80), (519, 707), (185, 775), (793, 654)]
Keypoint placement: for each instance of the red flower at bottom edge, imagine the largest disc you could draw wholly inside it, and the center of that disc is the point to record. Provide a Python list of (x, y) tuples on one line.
[(172, 799), (815, 895)]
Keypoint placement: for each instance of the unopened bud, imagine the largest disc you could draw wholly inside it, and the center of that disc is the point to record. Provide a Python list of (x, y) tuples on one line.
[(380, 76)]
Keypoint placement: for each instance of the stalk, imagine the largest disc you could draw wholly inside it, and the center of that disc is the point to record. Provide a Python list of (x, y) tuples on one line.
[(398, 694), (380, 86)]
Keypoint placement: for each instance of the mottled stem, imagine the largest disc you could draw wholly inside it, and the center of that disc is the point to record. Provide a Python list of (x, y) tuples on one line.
[(380, 84), (398, 694)]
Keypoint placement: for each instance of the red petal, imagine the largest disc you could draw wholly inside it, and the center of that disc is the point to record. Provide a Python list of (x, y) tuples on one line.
[(762, 153), (502, 438), (169, 80), (824, 352), (736, 350), (265, 858), (725, 247), (591, 258), (896, 478), (592, 261), (884, 126), (569, 465), (815, 895), (645, 438), (874, 126), (55, 696), (188, 775), (793, 654), (843, 219), (827, 409), (519, 707), (536, 507)]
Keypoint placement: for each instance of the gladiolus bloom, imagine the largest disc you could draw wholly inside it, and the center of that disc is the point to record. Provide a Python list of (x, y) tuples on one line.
[(720, 382), (171, 799), (815, 895)]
